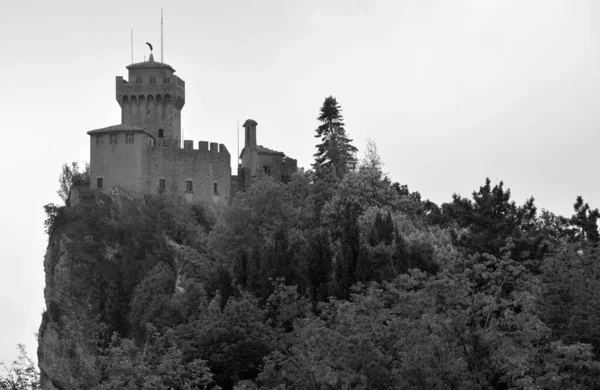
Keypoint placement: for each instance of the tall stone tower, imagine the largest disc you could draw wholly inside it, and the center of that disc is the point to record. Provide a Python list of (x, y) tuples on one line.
[(152, 99)]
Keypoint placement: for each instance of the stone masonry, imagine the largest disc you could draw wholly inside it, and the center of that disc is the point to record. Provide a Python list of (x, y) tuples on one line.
[(143, 155)]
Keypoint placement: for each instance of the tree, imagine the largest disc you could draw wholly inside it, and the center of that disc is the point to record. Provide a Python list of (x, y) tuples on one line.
[(570, 299), (586, 220), (233, 342), (71, 176), (22, 374), (475, 329), (491, 217), (158, 366), (335, 149), (151, 301)]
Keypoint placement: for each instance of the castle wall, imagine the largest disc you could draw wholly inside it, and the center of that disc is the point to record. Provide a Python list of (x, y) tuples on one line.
[(234, 186), (154, 163), (152, 99), (278, 167), (118, 164), (250, 159), (289, 166), (203, 166)]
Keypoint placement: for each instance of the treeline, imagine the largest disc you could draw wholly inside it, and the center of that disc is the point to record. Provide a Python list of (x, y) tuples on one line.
[(338, 279)]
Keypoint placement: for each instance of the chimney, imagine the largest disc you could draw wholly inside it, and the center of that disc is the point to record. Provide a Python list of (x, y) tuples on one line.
[(250, 127)]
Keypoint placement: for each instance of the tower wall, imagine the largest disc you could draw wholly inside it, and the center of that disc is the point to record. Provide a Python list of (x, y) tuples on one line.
[(250, 160), (152, 99)]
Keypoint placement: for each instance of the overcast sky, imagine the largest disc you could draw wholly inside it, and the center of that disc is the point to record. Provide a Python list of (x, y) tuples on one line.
[(451, 91)]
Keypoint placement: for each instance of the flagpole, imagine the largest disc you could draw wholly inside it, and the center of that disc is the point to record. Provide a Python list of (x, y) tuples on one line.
[(132, 46)]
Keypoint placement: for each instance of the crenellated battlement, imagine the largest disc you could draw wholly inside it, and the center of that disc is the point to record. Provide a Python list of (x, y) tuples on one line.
[(152, 99), (149, 79), (161, 89), (203, 146)]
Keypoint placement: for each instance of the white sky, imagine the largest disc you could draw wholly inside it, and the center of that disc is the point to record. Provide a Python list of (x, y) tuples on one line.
[(451, 91)]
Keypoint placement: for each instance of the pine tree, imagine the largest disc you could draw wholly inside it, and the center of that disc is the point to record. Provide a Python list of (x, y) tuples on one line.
[(335, 149), (585, 219)]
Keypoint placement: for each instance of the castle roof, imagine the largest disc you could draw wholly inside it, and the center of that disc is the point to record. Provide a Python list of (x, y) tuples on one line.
[(119, 129), (150, 64), (263, 150)]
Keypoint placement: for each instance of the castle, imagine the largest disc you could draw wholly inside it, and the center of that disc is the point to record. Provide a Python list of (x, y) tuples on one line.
[(143, 155), (257, 159)]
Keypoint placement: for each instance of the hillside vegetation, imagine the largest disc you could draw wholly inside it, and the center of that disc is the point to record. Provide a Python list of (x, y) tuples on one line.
[(339, 279)]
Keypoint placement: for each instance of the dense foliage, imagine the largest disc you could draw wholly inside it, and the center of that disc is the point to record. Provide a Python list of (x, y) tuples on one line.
[(331, 281)]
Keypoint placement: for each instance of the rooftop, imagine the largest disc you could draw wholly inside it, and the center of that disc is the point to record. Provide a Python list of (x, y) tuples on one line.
[(119, 129), (150, 64), (264, 150)]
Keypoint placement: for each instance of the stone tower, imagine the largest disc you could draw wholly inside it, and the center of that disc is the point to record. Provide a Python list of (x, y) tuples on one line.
[(250, 130), (152, 99)]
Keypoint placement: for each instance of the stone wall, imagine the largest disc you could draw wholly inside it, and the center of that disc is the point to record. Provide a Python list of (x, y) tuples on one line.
[(279, 167), (203, 166), (119, 164)]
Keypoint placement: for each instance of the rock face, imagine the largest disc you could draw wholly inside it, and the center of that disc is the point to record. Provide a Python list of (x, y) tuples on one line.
[(99, 249), (69, 250), (56, 268)]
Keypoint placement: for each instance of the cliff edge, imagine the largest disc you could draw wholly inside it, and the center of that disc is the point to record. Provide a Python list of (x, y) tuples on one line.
[(100, 248)]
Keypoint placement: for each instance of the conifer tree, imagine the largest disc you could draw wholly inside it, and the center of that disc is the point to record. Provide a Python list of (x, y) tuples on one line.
[(335, 149), (585, 219)]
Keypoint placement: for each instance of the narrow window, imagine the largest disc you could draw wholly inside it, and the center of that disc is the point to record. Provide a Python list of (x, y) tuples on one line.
[(161, 133), (129, 138), (113, 139), (161, 184), (152, 79), (189, 186), (216, 188), (99, 183), (99, 140)]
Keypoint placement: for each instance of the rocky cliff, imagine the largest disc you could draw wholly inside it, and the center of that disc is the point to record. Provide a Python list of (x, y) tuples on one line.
[(100, 248)]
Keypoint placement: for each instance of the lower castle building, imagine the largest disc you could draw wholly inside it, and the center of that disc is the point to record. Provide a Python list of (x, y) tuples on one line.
[(143, 155), (256, 159)]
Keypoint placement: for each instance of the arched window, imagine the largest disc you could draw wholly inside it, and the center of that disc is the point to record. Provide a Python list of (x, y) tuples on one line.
[(161, 133)]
